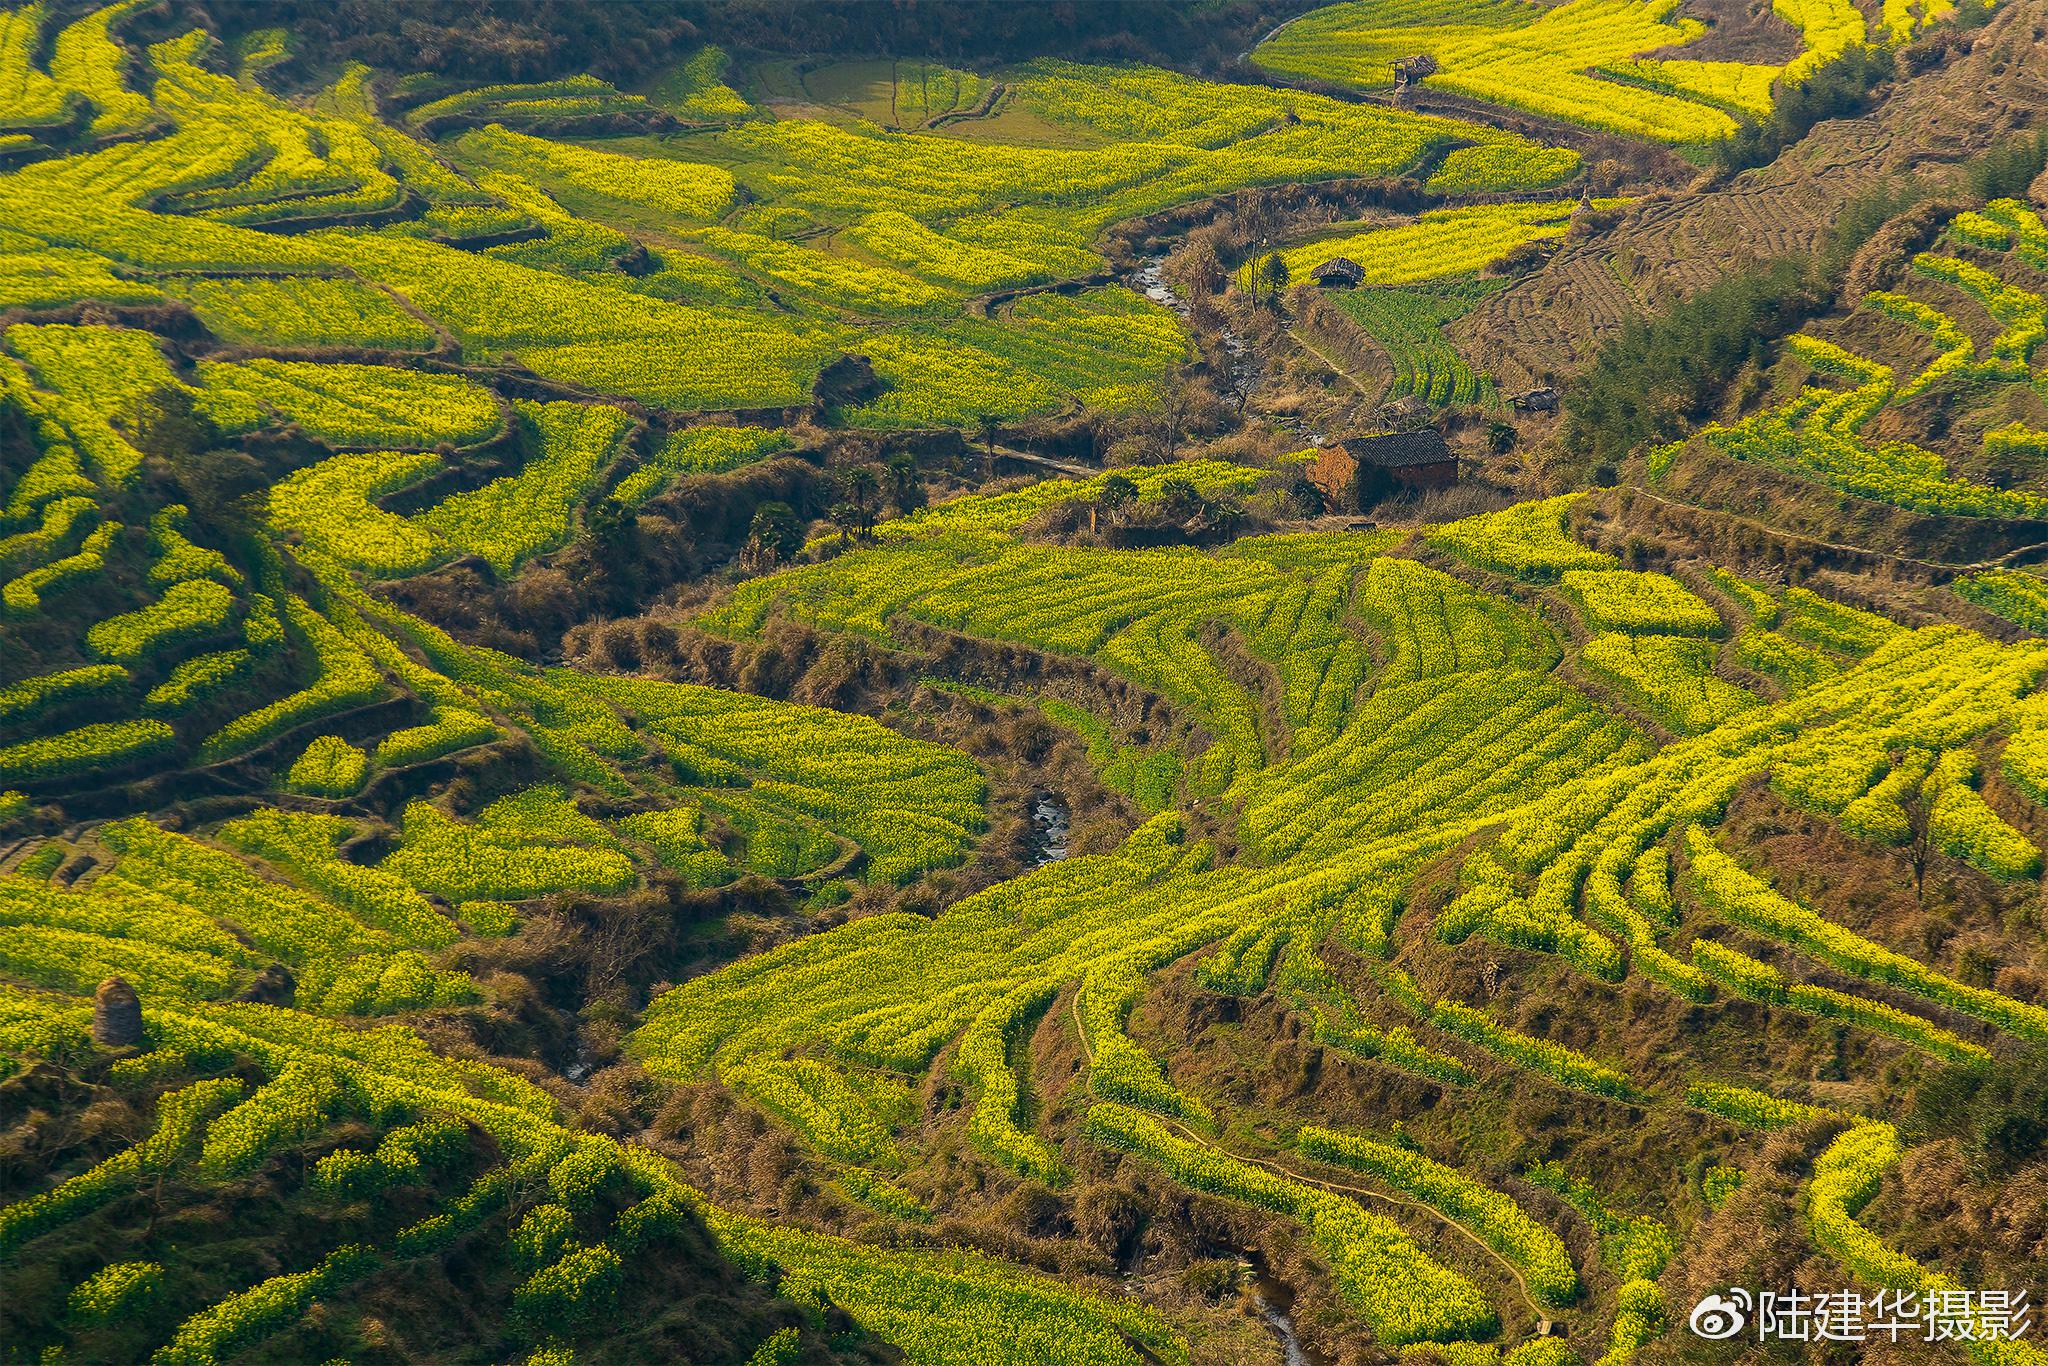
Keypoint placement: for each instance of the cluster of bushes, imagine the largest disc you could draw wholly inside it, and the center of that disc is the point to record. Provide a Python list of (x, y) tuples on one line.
[(565, 1293), (402, 1156), (117, 1292), (1842, 89), (1997, 1109), (1659, 378)]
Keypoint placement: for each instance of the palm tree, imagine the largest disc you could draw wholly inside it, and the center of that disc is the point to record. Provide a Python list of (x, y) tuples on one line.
[(862, 483), (774, 536), (846, 517), (906, 488), (1116, 493)]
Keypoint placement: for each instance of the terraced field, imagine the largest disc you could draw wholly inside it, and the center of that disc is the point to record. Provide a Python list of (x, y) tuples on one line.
[(552, 807), (1584, 62), (1820, 433)]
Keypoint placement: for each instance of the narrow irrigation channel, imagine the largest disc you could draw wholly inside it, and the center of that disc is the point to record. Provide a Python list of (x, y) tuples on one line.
[(1274, 1299), (1150, 281), (1049, 825)]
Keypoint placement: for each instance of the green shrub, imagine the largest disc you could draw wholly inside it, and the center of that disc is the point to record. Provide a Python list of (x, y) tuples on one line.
[(656, 1219), (122, 1290), (785, 1347), (1638, 1318), (186, 611), (330, 767), (1719, 1182), (544, 1234), (566, 1294)]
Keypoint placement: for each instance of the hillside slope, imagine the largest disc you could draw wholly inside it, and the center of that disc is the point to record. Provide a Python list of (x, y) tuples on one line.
[(782, 716), (1547, 325)]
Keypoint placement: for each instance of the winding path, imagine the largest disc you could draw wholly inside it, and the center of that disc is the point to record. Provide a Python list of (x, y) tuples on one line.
[(2007, 560), (1305, 344)]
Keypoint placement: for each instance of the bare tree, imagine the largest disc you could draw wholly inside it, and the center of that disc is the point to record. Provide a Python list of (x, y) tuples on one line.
[(1175, 403), (1920, 846), (990, 424)]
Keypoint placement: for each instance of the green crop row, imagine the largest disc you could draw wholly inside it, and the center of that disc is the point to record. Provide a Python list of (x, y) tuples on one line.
[(1963, 825), (1501, 1223), (196, 679), (2011, 593), (345, 679), (697, 450), (118, 1291), (1670, 677), (57, 520), (307, 848), (88, 750), (303, 311), (331, 507), (187, 611), (1638, 604), (1746, 976), (1545, 61), (22, 596), (1404, 1295), (181, 1116), (1820, 432), (1845, 1179), (1409, 323), (1440, 244), (984, 1058), (178, 558), (534, 510), (450, 729), (1754, 1109), (357, 405), (675, 189), (1634, 1247), (175, 891), (27, 701), (580, 93), (1725, 886), (1527, 541), (820, 1104)]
